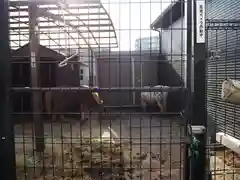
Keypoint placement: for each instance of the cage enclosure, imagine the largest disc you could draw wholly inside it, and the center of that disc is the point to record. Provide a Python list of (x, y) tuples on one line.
[(80, 70)]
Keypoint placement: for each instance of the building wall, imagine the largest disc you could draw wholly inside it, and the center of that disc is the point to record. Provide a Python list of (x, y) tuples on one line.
[(173, 45), (129, 69), (147, 43), (114, 72), (84, 75), (85, 68)]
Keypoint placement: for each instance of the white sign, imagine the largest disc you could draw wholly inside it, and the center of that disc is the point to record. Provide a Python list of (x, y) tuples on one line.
[(33, 60), (200, 11)]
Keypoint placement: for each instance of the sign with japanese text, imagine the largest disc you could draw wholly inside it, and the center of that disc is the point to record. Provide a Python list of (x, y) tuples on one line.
[(200, 21), (33, 60)]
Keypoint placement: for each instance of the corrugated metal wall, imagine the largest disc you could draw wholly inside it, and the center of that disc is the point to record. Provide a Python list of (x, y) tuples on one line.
[(225, 116), (116, 70), (123, 69)]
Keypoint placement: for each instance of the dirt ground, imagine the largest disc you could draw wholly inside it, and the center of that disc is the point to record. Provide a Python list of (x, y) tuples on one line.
[(225, 165), (156, 138)]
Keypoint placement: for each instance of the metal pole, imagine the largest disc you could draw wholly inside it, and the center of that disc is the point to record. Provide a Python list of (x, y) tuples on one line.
[(7, 152), (188, 115), (199, 101), (198, 165), (91, 69), (34, 53), (133, 80)]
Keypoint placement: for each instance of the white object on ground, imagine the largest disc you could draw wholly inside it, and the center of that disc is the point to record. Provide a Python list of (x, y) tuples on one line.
[(228, 141)]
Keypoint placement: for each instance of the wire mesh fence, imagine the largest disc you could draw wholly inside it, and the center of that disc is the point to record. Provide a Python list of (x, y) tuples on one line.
[(223, 46), (99, 89)]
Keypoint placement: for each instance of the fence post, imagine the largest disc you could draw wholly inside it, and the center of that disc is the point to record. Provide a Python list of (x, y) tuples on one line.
[(198, 161), (37, 96), (7, 150), (199, 122)]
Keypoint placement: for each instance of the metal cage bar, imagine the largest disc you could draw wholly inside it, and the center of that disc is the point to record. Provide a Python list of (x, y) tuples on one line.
[(7, 156)]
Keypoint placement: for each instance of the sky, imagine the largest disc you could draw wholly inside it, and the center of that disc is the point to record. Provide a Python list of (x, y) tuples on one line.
[(132, 18)]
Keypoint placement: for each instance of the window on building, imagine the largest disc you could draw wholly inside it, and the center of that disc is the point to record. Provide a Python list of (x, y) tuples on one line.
[(81, 71), (81, 77)]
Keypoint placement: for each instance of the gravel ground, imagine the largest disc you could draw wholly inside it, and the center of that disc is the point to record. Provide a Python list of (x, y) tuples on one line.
[(225, 165), (159, 137)]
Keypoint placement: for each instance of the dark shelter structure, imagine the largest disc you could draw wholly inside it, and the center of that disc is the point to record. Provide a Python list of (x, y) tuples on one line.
[(50, 75)]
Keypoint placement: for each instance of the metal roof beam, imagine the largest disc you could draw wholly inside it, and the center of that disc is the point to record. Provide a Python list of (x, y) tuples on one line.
[(45, 11), (87, 26), (70, 31), (72, 44), (56, 18), (58, 26), (53, 2), (71, 14), (111, 22), (56, 8), (72, 20), (59, 18), (55, 39), (27, 23)]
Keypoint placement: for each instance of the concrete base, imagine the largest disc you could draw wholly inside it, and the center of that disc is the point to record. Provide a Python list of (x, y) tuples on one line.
[(228, 141)]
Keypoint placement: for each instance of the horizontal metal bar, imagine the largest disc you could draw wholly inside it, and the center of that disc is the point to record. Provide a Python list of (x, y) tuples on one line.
[(102, 113), (111, 89), (222, 24), (166, 141), (223, 21), (162, 140), (87, 61), (215, 146), (223, 27)]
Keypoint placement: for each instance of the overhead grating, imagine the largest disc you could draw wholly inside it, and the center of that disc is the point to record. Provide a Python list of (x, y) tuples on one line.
[(63, 25)]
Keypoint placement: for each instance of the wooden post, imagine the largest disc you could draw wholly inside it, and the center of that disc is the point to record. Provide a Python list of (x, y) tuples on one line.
[(37, 100)]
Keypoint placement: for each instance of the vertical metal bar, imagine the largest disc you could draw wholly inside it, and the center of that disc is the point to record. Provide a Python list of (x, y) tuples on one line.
[(91, 68), (199, 108), (7, 152), (188, 114), (199, 100), (133, 80), (34, 53), (189, 51)]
